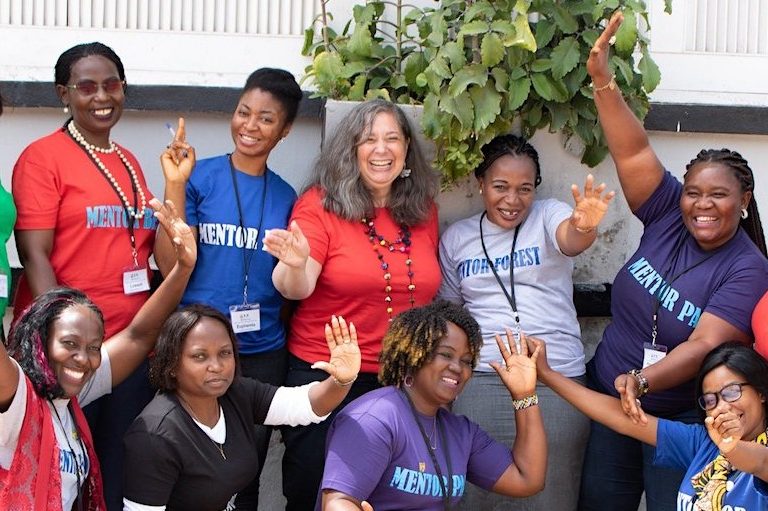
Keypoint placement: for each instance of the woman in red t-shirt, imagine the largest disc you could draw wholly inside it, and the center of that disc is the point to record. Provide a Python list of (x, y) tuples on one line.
[(363, 244), (760, 326)]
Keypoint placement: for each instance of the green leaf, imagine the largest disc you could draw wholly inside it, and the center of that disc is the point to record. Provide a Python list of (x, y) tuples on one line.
[(438, 30), (500, 79), (465, 77), (505, 28), (460, 107), (440, 68), (357, 91), (474, 28), (542, 86), (541, 65), (413, 65), (545, 31), (328, 67), (626, 36), (650, 72), (378, 93), (421, 80), (624, 69), (668, 6), (430, 117), (575, 79), (361, 41), (455, 54), (309, 39), (482, 8), (487, 104), (518, 93), (351, 69), (516, 73), (565, 57), (559, 114), (491, 50), (594, 154), (524, 37), (604, 6), (565, 20), (590, 36)]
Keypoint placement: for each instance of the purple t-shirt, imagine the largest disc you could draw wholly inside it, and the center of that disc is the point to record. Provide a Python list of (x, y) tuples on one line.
[(726, 282), (376, 452)]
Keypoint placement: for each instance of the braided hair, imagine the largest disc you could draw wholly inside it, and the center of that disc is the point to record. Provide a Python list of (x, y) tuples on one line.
[(29, 336), (741, 171), (511, 145), (413, 337)]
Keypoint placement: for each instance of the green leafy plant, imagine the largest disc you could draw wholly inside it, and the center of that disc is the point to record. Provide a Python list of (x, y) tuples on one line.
[(482, 67)]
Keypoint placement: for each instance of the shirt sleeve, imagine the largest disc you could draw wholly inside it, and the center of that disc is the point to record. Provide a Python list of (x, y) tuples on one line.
[(12, 419), (291, 407), (359, 451), (450, 287), (192, 203), (677, 444), (737, 295), (665, 198), (555, 213), (488, 459), (150, 469), (36, 192)]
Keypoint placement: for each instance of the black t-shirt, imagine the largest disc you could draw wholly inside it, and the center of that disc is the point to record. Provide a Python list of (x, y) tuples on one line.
[(170, 461)]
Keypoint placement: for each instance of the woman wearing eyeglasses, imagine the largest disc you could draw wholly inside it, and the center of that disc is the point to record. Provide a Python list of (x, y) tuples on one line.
[(726, 459), (84, 222)]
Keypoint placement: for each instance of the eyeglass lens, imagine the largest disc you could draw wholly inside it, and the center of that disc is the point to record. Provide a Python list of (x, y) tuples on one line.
[(89, 87), (729, 393)]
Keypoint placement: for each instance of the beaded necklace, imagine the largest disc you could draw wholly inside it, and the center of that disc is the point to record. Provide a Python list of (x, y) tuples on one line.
[(131, 211), (401, 244)]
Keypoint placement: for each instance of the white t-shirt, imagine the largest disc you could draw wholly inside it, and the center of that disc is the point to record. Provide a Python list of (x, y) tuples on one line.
[(72, 455), (543, 283)]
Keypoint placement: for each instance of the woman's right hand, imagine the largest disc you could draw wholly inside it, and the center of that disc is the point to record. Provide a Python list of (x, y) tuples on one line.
[(519, 371), (178, 159), (597, 63), (289, 246), (178, 232)]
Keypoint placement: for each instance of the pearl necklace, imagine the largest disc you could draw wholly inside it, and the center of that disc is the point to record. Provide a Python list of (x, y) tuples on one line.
[(401, 244), (92, 150)]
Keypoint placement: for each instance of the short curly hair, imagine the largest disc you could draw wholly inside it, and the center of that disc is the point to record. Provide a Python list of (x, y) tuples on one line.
[(413, 336), (30, 332), (165, 361)]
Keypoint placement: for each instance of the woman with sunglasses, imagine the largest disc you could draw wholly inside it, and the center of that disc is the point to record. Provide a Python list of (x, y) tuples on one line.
[(84, 222), (726, 459)]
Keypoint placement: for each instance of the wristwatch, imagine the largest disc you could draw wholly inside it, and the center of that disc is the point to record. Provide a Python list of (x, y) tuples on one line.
[(642, 381)]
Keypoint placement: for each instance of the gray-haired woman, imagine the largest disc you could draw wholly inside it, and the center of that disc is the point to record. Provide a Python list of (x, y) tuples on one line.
[(362, 243)]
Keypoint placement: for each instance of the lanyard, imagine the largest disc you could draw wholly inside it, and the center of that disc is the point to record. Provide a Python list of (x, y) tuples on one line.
[(449, 490), (129, 218), (668, 283), (511, 293), (80, 477), (247, 254)]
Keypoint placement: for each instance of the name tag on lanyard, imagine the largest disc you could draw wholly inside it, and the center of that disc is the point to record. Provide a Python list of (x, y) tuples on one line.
[(135, 280), (245, 317)]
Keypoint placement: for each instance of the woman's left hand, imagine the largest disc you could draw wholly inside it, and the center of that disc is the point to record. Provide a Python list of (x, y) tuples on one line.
[(178, 232), (519, 371), (590, 207), (725, 430), (345, 353)]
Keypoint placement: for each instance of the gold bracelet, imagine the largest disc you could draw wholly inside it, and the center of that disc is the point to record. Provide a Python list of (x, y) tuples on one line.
[(344, 384), (526, 402), (610, 85), (584, 231)]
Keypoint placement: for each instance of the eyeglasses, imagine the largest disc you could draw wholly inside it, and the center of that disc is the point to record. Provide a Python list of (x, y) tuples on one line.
[(729, 394), (89, 87)]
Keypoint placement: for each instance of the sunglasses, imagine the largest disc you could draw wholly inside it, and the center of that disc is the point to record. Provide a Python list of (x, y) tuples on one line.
[(729, 394), (89, 87)]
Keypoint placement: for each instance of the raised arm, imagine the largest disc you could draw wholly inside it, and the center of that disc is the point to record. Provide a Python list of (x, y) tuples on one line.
[(640, 171), (9, 379), (577, 233), (296, 272), (130, 346), (525, 476), (34, 247), (604, 409), (177, 162)]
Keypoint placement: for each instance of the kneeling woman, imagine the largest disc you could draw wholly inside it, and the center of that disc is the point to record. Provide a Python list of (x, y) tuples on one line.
[(399, 447), (726, 459), (61, 362), (194, 446)]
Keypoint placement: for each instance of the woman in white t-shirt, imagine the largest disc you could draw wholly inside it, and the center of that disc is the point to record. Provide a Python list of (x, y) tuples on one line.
[(57, 361), (511, 266)]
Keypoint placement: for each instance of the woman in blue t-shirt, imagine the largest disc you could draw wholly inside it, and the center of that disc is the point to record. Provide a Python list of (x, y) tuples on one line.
[(725, 460), (691, 285)]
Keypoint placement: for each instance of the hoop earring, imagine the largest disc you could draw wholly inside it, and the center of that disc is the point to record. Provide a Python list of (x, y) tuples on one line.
[(744, 214), (408, 381)]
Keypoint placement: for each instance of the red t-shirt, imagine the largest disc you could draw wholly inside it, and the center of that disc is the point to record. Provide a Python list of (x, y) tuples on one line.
[(56, 186), (760, 326), (351, 283)]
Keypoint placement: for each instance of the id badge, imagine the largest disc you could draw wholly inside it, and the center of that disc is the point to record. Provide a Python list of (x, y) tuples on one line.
[(652, 353), (245, 317), (135, 280), (3, 285)]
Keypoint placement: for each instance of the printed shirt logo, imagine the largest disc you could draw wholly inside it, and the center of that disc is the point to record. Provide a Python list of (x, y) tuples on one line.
[(423, 483), (111, 216), (530, 256), (654, 283), (228, 235)]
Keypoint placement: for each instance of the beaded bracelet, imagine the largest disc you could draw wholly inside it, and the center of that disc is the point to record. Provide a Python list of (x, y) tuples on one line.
[(642, 381), (526, 402)]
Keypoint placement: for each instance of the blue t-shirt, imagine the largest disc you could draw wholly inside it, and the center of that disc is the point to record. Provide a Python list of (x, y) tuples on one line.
[(688, 447), (728, 283), (218, 278), (376, 452)]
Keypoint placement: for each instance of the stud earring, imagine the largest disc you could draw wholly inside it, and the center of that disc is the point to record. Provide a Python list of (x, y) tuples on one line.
[(65, 109), (481, 191), (405, 173), (744, 214)]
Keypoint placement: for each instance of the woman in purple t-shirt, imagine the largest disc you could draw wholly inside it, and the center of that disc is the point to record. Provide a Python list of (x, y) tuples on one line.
[(399, 447), (692, 284)]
